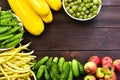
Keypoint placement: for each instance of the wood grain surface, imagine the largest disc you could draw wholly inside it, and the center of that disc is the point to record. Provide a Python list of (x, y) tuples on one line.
[(74, 39)]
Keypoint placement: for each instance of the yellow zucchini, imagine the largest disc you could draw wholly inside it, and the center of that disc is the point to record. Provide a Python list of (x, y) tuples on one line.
[(54, 4), (39, 6), (31, 21), (48, 18)]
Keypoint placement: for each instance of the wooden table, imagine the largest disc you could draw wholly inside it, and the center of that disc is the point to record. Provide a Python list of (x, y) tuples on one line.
[(74, 39)]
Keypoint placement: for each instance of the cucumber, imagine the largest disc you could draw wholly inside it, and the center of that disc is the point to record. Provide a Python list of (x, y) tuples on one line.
[(40, 62), (75, 68), (65, 71), (81, 68), (54, 71), (70, 76), (49, 63), (40, 72), (46, 74), (55, 59), (60, 63)]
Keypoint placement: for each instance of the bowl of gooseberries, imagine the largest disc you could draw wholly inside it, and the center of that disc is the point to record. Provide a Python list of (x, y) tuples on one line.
[(82, 10)]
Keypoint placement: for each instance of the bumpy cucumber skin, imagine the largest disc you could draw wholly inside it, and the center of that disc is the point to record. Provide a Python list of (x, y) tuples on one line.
[(49, 63), (65, 71), (70, 76), (40, 62), (55, 59), (54, 71), (60, 63), (75, 68), (81, 68), (40, 72), (46, 74)]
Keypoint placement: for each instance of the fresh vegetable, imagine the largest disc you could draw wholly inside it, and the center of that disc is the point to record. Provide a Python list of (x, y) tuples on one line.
[(58, 69), (60, 63), (49, 63), (75, 68), (40, 62), (11, 30), (47, 74), (31, 21), (40, 72), (81, 68), (70, 76), (54, 4), (39, 6), (82, 9), (48, 18), (54, 71), (65, 71), (17, 65)]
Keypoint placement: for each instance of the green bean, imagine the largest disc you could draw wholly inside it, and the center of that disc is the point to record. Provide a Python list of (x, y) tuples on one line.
[(13, 38), (6, 37), (4, 29), (13, 43)]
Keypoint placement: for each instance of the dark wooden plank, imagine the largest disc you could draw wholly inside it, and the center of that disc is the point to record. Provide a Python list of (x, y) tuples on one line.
[(81, 56), (108, 17), (76, 39)]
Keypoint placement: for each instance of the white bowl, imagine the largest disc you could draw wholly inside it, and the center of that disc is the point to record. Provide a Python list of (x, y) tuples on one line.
[(20, 23), (79, 18)]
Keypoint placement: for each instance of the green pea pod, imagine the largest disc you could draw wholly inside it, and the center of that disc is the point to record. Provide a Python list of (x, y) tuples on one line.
[(14, 29), (6, 37), (40, 72), (5, 12), (60, 63), (9, 22), (54, 71), (4, 29), (6, 16), (40, 62), (13, 43), (17, 36), (75, 68), (65, 71)]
